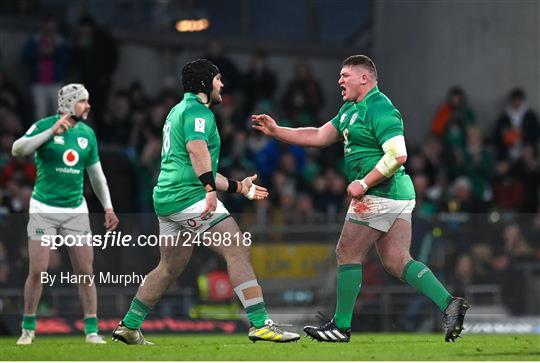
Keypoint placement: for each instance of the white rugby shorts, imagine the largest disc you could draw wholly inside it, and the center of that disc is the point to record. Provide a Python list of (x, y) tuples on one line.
[(378, 212), (190, 219), (48, 220)]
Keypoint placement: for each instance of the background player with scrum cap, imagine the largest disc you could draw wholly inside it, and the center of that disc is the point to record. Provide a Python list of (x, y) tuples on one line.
[(64, 146)]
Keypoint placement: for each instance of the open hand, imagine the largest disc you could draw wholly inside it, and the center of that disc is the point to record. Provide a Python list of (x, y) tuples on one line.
[(264, 123), (253, 191)]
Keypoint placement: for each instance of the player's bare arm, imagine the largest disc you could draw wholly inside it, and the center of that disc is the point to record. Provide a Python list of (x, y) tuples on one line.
[(303, 136), (101, 189), (202, 164), (246, 187)]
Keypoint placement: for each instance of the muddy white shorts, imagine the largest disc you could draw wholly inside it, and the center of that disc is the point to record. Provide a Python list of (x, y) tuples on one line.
[(48, 220), (190, 219), (378, 212)]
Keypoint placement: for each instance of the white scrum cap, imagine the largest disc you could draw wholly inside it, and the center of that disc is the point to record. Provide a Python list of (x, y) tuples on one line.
[(69, 95)]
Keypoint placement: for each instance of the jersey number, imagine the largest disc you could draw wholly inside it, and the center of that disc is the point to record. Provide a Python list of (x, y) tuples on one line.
[(166, 139), (345, 135)]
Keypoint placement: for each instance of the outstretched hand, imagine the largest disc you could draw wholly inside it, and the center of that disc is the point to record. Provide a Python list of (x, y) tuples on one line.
[(264, 123), (253, 191)]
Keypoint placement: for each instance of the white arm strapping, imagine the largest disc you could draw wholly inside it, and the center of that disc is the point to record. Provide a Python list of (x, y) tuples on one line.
[(26, 145), (99, 184), (392, 148)]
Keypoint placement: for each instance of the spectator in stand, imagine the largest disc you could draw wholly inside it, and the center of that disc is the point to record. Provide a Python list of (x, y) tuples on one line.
[(282, 199), (516, 250), (319, 190), (237, 155), (117, 121), (337, 200), (137, 95), (516, 127), (533, 231), (482, 258), (304, 212), (432, 149), (425, 206), (10, 122), (267, 159), (528, 167), (227, 68), (508, 187), (12, 99), (427, 159), (461, 198), (478, 165), (4, 268), (452, 119), (95, 57), (260, 83), (463, 276), (303, 98), (47, 54)]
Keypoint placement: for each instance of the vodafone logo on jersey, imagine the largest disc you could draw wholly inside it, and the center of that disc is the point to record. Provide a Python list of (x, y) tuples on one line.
[(70, 157)]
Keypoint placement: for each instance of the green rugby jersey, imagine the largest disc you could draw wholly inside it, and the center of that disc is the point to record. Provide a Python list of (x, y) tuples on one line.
[(60, 163), (178, 186), (365, 126)]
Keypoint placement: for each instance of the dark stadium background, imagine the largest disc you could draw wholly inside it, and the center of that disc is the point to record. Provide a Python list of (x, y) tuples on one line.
[(452, 69)]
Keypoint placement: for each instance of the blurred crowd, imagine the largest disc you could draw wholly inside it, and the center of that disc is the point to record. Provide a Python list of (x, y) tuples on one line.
[(460, 167)]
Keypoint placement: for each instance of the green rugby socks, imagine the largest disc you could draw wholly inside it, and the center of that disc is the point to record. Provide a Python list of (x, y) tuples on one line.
[(257, 314), (250, 295), (90, 325), (29, 322), (136, 314), (420, 276), (349, 279)]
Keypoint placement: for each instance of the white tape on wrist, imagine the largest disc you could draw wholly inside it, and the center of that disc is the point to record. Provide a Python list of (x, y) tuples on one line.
[(363, 184), (251, 192)]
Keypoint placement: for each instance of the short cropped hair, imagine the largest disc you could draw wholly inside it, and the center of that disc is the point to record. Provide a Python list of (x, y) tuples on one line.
[(361, 60), (517, 94)]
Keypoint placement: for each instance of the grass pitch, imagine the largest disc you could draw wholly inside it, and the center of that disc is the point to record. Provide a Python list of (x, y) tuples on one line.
[(238, 347)]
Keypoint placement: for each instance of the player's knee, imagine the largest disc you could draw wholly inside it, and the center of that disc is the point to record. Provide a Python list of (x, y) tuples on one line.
[(394, 263), (345, 255), (391, 268), (34, 275), (83, 270), (36, 270), (237, 255), (171, 270)]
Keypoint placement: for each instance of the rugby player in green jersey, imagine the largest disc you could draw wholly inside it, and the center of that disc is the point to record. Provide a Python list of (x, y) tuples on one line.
[(382, 194), (186, 204), (63, 146)]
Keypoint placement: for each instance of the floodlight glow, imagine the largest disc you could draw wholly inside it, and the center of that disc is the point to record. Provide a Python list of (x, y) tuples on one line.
[(192, 25)]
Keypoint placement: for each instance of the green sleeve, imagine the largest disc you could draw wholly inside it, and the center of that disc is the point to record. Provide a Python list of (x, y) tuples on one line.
[(335, 121), (199, 123), (337, 118), (41, 125), (387, 123), (93, 155)]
